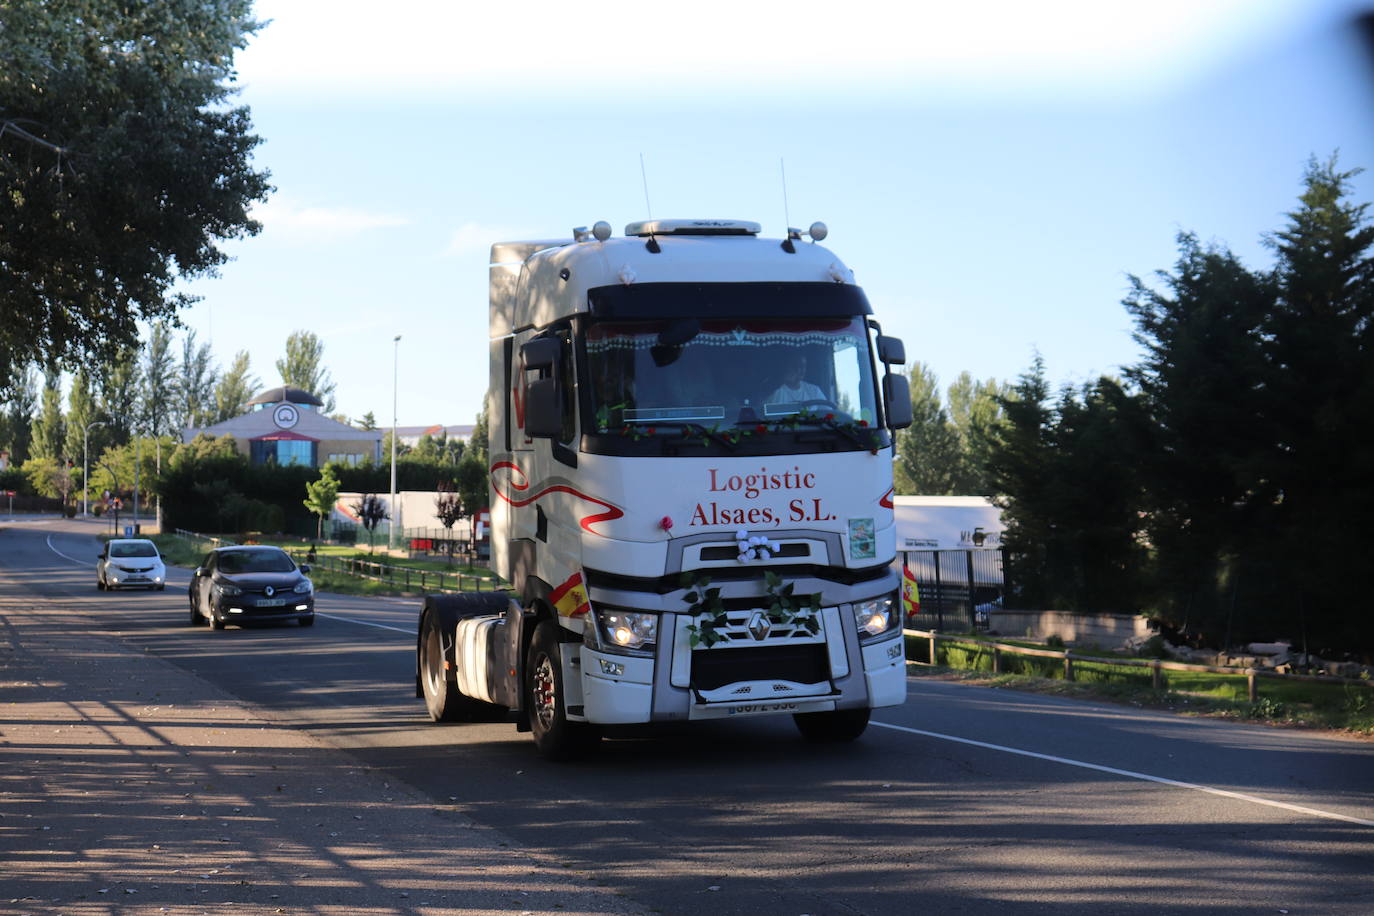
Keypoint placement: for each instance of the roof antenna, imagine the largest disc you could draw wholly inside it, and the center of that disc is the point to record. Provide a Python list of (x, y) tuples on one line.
[(644, 176), (790, 233), (652, 244)]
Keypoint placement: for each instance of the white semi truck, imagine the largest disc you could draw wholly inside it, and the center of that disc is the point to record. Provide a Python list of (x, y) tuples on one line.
[(691, 491)]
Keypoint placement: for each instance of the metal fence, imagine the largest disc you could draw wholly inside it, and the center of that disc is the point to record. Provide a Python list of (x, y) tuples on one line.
[(957, 587), (424, 580)]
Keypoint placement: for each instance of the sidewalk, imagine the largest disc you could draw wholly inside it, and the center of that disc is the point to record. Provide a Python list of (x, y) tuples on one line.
[(130, 786)]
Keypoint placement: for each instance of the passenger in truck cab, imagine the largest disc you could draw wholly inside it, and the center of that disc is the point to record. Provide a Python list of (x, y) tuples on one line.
[(794, 388)]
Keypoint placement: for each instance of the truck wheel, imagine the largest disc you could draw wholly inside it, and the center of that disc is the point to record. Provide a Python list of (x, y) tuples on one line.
[(443, 700), (554, 736), (836, 725)]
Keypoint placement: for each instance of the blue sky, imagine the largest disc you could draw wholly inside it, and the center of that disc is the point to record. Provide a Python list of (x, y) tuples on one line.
[(991, 174)]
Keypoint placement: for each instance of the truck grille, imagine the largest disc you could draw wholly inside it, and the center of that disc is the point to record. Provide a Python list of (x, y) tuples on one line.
[(802, 664)]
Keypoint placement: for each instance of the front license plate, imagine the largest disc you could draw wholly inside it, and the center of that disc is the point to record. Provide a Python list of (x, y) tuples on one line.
[(745, 709), (272, 602)]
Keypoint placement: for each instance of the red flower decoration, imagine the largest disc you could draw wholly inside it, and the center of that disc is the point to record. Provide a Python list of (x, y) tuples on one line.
[(830, 416), (651, 430), (666, 523), (863, 422), (760, 428)]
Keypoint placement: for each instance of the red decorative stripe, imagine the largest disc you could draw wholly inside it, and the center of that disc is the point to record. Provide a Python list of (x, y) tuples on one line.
[(886, 501), (610, 515)]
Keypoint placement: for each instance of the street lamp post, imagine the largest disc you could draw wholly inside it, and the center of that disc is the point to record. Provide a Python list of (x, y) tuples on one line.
[(395, 374), (86, 465)]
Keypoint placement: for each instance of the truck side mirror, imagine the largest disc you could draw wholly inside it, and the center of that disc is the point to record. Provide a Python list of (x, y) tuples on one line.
[(544, 409), (891, 350), (540, 353), (897, 400)]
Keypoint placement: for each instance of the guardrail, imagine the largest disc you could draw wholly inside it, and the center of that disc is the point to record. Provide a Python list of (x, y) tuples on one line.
[(1156, 666)]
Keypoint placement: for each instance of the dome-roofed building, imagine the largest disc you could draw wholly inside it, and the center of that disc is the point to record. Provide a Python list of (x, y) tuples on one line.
[(284, 426), (286, 394)]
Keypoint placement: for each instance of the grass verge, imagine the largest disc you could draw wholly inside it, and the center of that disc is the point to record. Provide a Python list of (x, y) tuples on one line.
[(180, 551), (1347, 709)]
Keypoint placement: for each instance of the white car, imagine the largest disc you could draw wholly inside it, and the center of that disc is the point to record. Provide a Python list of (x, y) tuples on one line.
[(130, 563)]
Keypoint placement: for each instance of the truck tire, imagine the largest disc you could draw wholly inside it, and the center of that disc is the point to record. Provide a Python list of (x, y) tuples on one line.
[(554, 736), (443, 700), (834, 726)]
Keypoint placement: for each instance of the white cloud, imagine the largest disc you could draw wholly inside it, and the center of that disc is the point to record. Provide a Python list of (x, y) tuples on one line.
[(283, 216), (628, 47)]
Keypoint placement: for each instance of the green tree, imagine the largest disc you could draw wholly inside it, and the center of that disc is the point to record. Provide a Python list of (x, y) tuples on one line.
[(1203, 380), (975, 413), (471, 484), (235, 389), (157, 411), (204, 448), (81, 410), (320, 497), (125, 166), (928, 451), (478, 444), (368, 422), (50, 428), (119, 392), (1319, 344), (16, 420), (302, 367), (195, 384)]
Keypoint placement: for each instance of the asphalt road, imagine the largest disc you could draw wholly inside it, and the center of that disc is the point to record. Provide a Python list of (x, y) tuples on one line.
[(965, 800)]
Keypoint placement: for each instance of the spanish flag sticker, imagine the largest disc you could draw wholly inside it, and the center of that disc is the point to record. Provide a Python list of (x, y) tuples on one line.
[(911, 595), (570, 598)]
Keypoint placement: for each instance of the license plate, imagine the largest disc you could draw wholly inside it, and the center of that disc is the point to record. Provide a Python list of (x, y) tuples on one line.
[(745, 709), (272, 602)]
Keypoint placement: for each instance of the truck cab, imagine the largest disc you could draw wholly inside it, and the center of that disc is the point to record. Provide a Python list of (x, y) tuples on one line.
[(691, 489)]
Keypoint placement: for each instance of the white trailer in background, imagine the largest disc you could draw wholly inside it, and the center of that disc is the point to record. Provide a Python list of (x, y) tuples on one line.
[(947, 522), (691, 491)]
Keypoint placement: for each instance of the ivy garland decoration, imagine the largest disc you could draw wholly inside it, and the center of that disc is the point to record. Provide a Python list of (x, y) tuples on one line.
[(783, 607)]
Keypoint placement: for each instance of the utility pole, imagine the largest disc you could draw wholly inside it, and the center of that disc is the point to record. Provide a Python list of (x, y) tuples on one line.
[(395, 511)]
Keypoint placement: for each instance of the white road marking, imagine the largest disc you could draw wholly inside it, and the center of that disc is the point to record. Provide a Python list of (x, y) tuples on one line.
[(65, 556), (365, 623), (1224, 793)]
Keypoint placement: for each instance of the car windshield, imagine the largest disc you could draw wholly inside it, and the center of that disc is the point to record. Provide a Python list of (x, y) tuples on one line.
[(133, 549), (735, 370), (255, 561)]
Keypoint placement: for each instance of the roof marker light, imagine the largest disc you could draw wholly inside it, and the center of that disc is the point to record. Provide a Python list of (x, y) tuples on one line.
[(601, 230), (818, 231)]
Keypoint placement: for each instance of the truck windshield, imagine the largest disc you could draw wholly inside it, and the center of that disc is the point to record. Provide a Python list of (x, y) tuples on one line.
[(723, 372)]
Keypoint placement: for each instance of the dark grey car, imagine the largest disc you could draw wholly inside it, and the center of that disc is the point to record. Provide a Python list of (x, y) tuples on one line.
[(242, 585)]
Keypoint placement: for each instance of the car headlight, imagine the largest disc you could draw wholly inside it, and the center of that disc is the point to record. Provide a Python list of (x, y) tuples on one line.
[(876, 617), (303, 587), (623, 632), (226, 589)]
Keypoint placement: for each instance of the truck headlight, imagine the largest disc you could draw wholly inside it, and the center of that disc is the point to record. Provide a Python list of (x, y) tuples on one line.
[(623, 632), (876, 617)]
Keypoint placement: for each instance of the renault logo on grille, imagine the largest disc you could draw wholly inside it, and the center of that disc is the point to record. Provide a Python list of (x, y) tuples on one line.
[(269, 591), (759, 626)]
